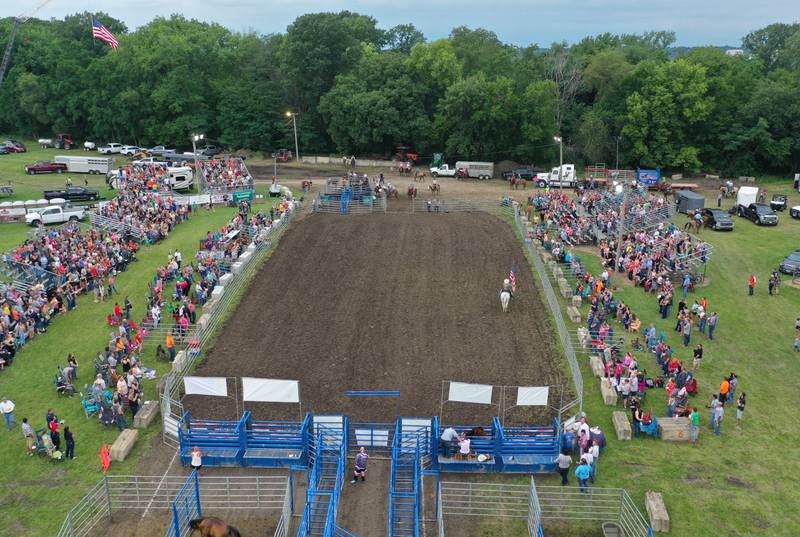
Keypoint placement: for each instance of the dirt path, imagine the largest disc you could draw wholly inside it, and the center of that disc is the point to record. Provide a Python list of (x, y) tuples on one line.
[(364, 507)]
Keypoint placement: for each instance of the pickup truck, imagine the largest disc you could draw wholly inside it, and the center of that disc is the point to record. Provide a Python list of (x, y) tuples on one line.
[(159, 150), (110, 148), (45, 167), (73, 193), (54, 215), (443, 171), (759, 213)]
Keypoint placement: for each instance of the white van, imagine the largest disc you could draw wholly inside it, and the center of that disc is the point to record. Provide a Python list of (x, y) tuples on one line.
[(93, 165)]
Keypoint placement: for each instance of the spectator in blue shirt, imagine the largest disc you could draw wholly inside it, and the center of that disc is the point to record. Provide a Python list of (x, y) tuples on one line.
[(582, 473)]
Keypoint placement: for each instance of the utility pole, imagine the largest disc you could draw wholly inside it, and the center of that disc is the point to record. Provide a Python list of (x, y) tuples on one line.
[(293, 115), (196, 138), (617, 164), (560, 141)]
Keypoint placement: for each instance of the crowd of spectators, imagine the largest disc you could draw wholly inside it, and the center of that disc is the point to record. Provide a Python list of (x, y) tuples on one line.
[(150, 213), (225, 174)]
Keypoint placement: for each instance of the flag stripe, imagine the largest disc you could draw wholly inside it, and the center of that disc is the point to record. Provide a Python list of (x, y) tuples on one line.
[(512, 277)]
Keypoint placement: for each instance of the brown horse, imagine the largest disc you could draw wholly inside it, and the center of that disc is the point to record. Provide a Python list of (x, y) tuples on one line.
[(305, 185), (436, 189), (412, 191), (692, 225), (213, 527), (419, 176)]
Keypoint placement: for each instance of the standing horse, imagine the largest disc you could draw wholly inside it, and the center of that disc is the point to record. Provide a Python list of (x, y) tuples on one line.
[(505, 298), (419, 176), (213, 527), (412, 191), (436, 189)]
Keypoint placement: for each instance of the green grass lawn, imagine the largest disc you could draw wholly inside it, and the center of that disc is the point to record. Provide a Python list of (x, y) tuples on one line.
[(743, 482), (36, 494)]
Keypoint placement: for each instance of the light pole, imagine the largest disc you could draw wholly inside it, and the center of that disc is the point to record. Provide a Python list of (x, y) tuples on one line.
[(293, 115), (560, 142), (196, 138)]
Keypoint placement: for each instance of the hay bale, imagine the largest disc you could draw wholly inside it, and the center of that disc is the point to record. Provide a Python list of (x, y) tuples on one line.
[(675, 429), (608, 392), (237, 267), (596, 363), (621, 425), (558, 273), (217, 292), (123, 445), (573, 314), (577, 301), (146, 415), (225, 279), (677, 177), (657, 511), (583, 337)]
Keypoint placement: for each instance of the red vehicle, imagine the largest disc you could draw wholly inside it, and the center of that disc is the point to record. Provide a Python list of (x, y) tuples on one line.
[(45, 167), (405, 154), (282, 155), (14, 146), (63, 141)]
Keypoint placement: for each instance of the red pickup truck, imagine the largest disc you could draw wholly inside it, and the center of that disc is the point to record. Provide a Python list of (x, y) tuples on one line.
[(45, 167)]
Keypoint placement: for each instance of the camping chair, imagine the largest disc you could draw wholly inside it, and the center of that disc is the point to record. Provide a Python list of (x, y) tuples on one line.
[(651, 429), (90, 405)]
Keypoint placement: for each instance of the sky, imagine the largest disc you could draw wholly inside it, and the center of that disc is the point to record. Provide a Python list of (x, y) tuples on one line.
[(519, 22)]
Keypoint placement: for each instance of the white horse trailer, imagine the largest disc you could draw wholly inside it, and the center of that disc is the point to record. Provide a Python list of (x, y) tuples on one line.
[(93, 165)]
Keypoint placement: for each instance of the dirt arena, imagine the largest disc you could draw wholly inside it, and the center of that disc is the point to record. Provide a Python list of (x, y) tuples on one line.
[(386, 302)]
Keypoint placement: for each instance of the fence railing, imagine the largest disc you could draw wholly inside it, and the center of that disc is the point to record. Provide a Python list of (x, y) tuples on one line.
[(145, 494), (558, 316), (185, 507), (198, 339)]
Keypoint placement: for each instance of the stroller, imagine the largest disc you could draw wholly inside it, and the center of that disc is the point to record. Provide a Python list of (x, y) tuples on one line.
[(63, 384)]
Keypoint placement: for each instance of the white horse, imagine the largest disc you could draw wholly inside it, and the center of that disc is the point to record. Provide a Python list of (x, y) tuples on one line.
[(505, 298)]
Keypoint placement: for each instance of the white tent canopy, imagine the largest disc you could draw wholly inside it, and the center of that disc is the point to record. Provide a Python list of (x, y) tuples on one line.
[(270, 390), (215, 386)]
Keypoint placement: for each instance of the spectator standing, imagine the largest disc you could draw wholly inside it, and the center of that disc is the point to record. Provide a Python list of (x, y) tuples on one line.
[(695, 424), (713, 406), (687, 331), (564, 462), (637, 416), (360, 468), (740, 404), (30, 436), (733, 382), (7, 409), (712, 324), (594, 451), (112, 283), (751, 284), (119, 414), (70, 441), (724, 388), (582, 473), (697, 357), (719, 415), (170, 343), (128, 307), (687, 281)]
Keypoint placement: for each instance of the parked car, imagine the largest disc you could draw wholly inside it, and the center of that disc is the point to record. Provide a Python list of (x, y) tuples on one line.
[(282, 155), (54, 215), (791, 263), (522, 173), (159, 150), (4, 150), (759, 213), (73, 193), (14, 146), (718, 219), (110, 148), (794, 212), (129, 150), (209, 150), (45, 167), (89, 146), (778, 203)]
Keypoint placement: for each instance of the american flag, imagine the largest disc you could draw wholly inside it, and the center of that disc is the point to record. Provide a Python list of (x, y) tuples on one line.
[(103, 34), (512, 277)]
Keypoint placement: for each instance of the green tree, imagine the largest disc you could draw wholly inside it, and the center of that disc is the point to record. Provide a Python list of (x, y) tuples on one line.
[(660, 117), (403, 37), (767, 43)]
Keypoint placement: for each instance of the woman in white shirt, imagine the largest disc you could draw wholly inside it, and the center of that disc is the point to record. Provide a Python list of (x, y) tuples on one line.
[(197, 459)]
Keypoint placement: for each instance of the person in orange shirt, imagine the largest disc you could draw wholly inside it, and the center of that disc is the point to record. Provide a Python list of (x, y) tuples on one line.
[(723, 390), (171, 348), (751, 283)]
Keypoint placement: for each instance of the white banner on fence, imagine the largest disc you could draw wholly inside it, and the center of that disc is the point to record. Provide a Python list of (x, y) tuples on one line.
[(270, 390), (532, 395), (216, 386), (470, 393)]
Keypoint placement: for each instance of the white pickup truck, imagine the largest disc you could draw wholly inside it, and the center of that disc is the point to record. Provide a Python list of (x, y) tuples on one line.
[(443, 171), (54, 214)]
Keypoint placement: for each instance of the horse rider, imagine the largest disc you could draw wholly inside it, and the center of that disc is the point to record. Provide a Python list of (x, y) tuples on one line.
[(507, 287)]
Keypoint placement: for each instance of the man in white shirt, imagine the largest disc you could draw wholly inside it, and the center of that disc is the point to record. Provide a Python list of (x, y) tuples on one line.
[(449, 435), (594, 451), (7, 409)]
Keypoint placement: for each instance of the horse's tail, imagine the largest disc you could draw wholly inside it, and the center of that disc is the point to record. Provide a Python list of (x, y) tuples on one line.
[(233, 532)]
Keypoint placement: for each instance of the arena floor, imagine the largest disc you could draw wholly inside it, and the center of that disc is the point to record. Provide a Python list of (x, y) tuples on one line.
[(387, 302)]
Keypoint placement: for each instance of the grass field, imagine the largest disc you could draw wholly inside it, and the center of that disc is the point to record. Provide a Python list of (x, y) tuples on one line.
[(744, 482), (36, 494)]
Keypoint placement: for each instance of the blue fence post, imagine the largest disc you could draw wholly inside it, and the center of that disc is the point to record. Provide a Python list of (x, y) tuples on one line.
[(197, 493), (499, 439), (175, 521), (291, 489)]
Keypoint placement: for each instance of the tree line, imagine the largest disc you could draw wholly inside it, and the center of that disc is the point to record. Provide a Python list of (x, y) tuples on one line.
[(359, 89)]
